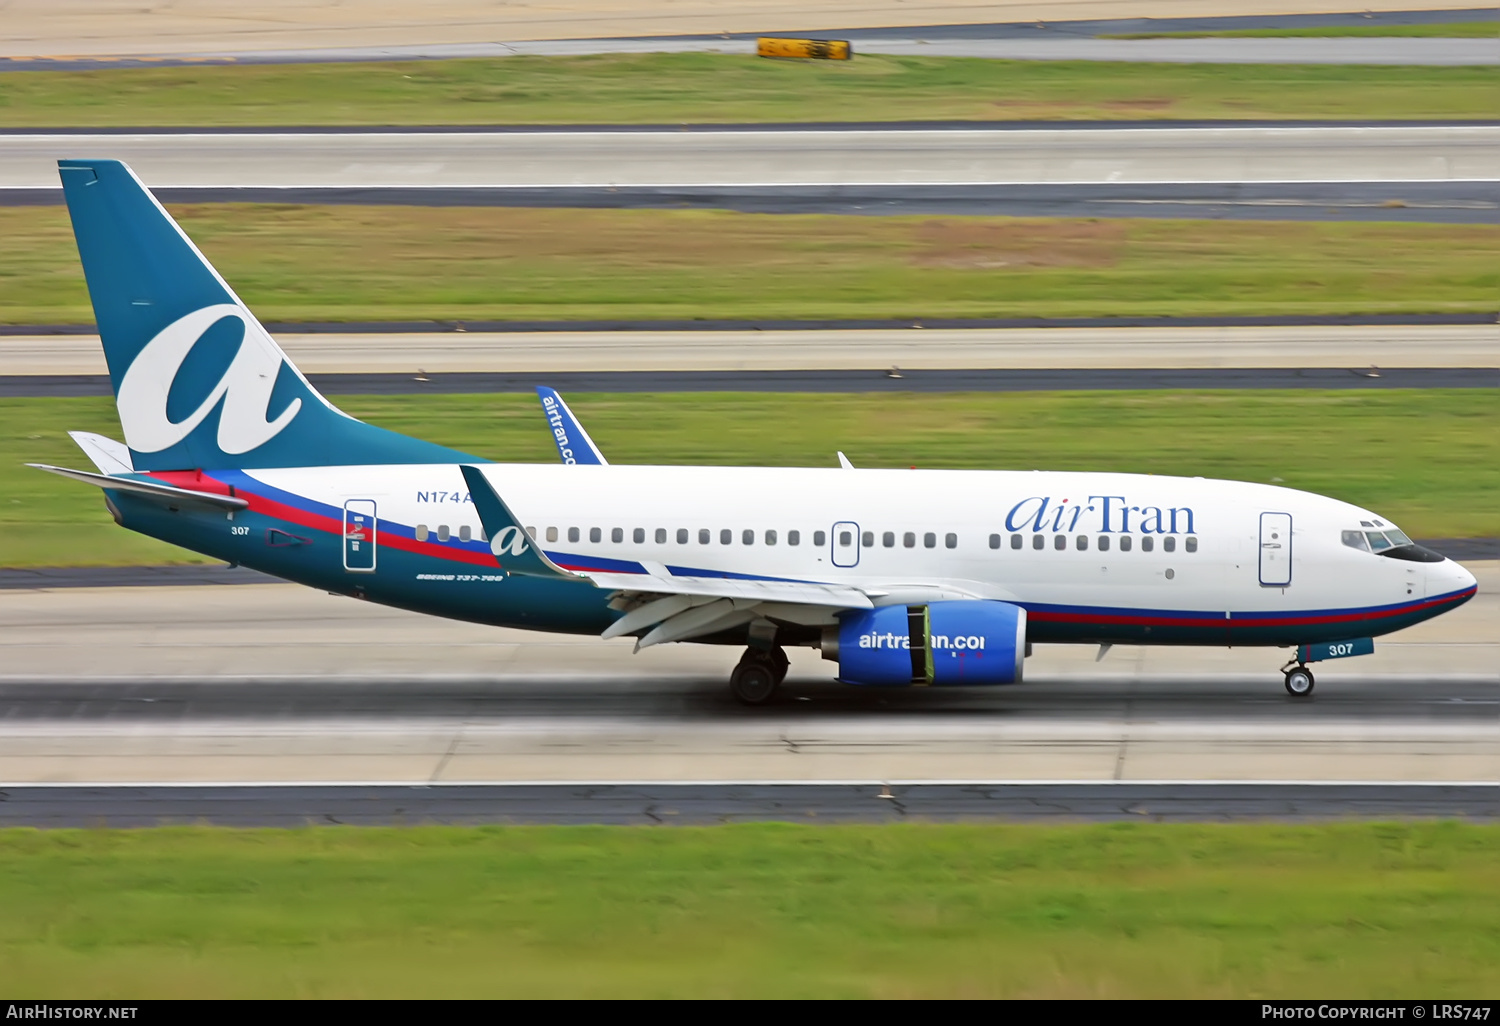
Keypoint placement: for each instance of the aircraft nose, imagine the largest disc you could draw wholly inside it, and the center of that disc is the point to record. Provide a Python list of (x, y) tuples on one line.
[(1453, 577)]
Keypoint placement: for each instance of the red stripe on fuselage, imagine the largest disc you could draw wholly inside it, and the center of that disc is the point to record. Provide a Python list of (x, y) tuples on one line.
[(198, 481)]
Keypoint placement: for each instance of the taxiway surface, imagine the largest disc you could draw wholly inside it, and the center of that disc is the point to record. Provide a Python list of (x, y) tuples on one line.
[(266, 683), (1342, 347), (278, 31), (772, 157), (658, 804)]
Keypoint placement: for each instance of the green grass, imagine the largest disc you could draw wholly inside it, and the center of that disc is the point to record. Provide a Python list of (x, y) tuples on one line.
[(299, 263), (1429, 460), (1446, 30), (707, 88), (759, 910)]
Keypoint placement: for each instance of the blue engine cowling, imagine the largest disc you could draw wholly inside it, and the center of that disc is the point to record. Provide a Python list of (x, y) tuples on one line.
[(945, 643)]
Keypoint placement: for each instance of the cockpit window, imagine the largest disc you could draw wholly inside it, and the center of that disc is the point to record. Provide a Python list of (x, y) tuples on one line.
[(1390, 542)]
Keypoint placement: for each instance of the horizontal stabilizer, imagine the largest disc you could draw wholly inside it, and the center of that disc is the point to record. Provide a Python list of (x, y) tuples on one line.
[(110, 456), (154, 489)]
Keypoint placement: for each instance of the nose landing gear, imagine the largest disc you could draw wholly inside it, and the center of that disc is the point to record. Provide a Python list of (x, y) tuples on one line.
[(758, 675), (1299, 681)]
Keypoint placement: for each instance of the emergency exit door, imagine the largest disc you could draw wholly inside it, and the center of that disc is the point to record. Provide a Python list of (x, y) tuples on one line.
[(1275, 550), (359, 535)]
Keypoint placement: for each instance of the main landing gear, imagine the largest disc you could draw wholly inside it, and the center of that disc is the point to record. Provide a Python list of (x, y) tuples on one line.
[(758, 675), (1299, 681)]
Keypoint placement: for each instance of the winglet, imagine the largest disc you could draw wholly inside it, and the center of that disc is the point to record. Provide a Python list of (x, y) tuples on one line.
[(844, 462), (510, 543), (573, 443)]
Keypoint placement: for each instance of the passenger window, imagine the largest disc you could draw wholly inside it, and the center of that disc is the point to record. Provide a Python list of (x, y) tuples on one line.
[(682, 536), (748, 537), (820, 538), (1124, 543), (929, 540), (888, 539), (770, 537), (421, 532), (795, 538), (1015, 541), (703, 536), (595, 534), (909, 539), (867, 539), (442, 532), (572, 534), (994, 541), (661, 536), (1147, 543), (638, 535), (1081, 543), (1059, 542), (1355, 540), (1038, 542), (617, 534), (726, 536), (465, 533), (1169, 544), (552, 534), (1190, 543), (531, 533), (1104, 543), (950, 540), (845, 538)]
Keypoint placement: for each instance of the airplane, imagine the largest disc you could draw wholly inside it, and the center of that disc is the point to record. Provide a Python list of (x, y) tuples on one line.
[(901, 577)]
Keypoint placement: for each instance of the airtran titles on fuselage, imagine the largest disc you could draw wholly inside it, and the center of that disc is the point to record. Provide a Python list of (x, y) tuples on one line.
[(1098, 514)]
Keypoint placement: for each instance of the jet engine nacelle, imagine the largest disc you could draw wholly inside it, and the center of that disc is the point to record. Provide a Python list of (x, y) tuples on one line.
[(945, 643)]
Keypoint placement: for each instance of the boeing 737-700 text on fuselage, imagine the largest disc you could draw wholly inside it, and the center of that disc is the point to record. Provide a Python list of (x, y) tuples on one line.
[(903, 577)]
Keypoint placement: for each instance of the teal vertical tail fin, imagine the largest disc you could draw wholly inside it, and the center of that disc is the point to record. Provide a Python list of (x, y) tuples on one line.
[(198, 382)]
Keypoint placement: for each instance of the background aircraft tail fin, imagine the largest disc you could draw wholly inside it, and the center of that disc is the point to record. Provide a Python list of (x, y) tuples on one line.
[(198, 382), (573, 443)]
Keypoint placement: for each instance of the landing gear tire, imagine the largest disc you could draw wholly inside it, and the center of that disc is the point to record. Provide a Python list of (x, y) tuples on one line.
[(1299, 682), (754, 682), (779, 663)]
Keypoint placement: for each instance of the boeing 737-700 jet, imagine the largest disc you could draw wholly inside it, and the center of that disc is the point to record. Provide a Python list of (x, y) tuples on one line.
[(902, 577)]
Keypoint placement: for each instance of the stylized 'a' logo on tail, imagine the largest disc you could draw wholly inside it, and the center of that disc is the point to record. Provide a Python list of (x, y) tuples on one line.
[(198, 381), (245, 388)]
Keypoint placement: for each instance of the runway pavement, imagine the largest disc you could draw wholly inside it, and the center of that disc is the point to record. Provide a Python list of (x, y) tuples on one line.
[(1342, 348), (887, 380), (1403, 51), (788, 159), (278, 683), (657, 804), (67, 35), (1407, 202)]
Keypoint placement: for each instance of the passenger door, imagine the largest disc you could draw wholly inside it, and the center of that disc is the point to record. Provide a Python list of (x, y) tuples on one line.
[(844, 540), (359, 536), (1275, 550)]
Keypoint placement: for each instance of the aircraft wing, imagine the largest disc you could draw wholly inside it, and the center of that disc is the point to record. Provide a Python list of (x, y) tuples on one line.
[(573, 443), (673, 607)]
